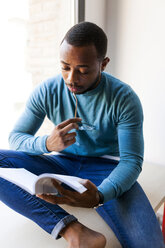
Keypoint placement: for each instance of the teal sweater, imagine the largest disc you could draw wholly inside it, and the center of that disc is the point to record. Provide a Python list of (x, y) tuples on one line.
[(112, 108)]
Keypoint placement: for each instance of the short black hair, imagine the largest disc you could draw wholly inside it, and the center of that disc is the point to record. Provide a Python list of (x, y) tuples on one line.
[(87, 33)]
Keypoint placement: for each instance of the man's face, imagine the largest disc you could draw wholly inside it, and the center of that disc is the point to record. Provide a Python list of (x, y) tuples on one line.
[(80, 67)]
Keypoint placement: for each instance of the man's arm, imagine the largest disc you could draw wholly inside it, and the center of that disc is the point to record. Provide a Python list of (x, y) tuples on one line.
[(131, 148), (22, 137)]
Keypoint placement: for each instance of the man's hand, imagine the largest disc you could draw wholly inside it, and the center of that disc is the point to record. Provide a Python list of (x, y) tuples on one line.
[(88, 199), (60, 138)]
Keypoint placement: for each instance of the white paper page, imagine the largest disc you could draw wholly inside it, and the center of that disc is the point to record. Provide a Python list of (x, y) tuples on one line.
[(20, 177), (72, 181)]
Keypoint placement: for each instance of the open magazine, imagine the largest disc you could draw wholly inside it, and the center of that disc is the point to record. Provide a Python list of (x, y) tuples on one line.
[(41, 184)]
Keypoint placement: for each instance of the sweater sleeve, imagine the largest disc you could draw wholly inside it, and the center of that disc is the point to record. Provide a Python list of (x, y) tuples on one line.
[(22, 137), (131, 147)]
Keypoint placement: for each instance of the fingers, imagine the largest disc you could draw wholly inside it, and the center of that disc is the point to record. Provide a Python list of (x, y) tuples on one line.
[(69, 136), (62, 191), (88, 184), (69, 121), (67, 196), (68, 128), (87, 199), (52, 199), (69, 143)]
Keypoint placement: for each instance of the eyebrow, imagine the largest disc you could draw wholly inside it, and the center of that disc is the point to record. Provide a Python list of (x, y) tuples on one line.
[(77, 65)]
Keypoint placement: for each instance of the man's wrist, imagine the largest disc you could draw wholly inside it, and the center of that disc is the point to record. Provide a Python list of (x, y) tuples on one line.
[(101, 199)]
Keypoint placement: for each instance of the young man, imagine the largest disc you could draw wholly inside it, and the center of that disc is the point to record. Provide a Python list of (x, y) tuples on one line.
[(101, 142)]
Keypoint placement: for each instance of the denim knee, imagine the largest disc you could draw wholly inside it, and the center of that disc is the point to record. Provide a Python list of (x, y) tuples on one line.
[(5, 160)]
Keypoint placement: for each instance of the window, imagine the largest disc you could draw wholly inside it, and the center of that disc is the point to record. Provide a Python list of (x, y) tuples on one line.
[(31, 32)]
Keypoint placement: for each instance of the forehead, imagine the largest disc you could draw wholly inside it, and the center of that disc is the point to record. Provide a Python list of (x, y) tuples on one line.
[(84, 54)]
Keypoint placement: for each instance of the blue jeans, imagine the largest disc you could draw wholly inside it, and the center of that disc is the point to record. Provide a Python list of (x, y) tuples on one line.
[(130, 216)]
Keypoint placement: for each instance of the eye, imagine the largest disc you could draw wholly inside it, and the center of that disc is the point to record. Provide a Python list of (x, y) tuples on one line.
[(84, 72), (65, 68)]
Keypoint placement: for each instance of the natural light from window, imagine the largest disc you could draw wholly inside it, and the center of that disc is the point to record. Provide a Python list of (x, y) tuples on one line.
[(14, 77), (31, 32)]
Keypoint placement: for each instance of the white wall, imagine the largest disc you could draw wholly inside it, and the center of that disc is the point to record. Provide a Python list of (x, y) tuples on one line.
[(95, 12), (136, 32)]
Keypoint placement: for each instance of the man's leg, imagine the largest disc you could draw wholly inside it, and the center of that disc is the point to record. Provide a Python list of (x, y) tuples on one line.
[(131, 216), (51, 218), (133, 220)]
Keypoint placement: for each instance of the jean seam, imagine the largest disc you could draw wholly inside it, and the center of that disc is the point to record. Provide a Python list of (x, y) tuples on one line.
[(122, 238)]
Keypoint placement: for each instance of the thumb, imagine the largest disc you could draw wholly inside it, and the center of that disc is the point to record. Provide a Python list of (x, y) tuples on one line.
[(87, 184)]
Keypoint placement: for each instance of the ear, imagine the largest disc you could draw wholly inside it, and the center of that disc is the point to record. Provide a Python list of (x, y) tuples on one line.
[(104, 63)]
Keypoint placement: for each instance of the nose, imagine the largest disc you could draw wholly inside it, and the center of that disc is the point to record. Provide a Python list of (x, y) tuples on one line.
[(72, 77)]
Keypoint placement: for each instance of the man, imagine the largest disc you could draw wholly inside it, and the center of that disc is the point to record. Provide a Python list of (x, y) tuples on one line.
[(98, 135)]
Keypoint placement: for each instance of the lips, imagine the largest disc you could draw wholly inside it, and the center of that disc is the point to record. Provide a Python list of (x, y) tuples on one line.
[(74, 89)]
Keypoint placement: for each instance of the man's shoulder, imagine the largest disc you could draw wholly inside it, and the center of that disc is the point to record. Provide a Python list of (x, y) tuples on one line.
[(124, 98), (115, 86), (52, 82), (47, 88), (43, 94)]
